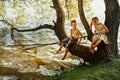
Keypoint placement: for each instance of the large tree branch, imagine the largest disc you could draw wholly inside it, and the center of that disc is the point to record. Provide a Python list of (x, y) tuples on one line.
[(45, 26), (59, 27), (83, 19)]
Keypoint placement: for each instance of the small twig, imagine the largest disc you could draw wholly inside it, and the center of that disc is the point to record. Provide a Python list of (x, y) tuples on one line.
[(4, 21)]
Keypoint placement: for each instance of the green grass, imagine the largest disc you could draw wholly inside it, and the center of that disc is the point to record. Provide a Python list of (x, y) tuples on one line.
[(102, 71)]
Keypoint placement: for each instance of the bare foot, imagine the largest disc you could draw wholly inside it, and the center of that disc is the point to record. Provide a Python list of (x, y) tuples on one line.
[(58, 51), (92, 51), (63, 58)]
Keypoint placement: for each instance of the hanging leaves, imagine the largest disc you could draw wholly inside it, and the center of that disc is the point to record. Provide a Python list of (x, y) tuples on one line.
[(39, 10)]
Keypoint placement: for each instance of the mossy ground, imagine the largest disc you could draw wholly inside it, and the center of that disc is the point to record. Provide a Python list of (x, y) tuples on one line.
[(102, 71)]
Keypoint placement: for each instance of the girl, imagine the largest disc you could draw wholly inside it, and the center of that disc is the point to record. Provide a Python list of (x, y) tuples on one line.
[(99, 34)]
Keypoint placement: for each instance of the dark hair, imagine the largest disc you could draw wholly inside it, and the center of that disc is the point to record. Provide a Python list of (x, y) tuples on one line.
[(73, 21), (95, 18)]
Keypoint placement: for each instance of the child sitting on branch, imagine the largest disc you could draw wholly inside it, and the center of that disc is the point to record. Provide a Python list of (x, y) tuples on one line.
[(75, 39), (99, 34)]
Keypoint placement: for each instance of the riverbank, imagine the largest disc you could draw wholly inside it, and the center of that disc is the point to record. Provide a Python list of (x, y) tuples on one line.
[(102, 71), (109, 70)]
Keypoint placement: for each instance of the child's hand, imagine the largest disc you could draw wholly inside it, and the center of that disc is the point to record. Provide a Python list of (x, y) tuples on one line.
[(99, 34)]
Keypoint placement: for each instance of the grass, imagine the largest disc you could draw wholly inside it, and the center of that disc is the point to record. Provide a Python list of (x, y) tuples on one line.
[(102, 71)]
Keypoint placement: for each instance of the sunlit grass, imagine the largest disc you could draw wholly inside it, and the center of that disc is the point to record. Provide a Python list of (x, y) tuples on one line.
[(102, 71)]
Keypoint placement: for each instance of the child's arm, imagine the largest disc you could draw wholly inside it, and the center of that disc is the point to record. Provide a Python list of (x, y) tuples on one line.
[(70, 37), (104, 29), (80, 37), (71, 34)]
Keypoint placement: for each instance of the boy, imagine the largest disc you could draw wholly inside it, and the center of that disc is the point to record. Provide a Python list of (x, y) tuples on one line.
[(75, 39)]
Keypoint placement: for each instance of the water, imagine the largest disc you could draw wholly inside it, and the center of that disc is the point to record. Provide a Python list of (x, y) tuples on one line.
[(9, 77), (43, 60)]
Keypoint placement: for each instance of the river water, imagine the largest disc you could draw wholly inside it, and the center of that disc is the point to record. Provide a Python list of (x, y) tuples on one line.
[(36, 59)]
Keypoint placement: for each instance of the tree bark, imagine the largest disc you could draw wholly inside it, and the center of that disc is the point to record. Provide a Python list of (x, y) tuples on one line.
[(59, 26), (83, 52), (112, 21)]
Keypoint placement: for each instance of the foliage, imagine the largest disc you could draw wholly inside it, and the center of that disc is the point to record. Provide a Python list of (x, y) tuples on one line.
[(2, 9), (71, 8), (87, 9), (19, 12)]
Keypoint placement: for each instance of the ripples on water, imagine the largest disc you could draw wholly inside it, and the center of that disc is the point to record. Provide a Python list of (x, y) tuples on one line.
[(43, 59)]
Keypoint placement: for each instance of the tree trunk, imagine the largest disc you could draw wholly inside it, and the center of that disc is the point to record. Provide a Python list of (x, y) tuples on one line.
[(83, 19), (59, 27), (112, 21)]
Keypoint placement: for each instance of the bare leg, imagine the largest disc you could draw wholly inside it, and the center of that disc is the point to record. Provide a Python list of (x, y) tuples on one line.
[(98, 42), (95, 45), (94, 40), (60, 47), (92, 45), (66, 51)]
